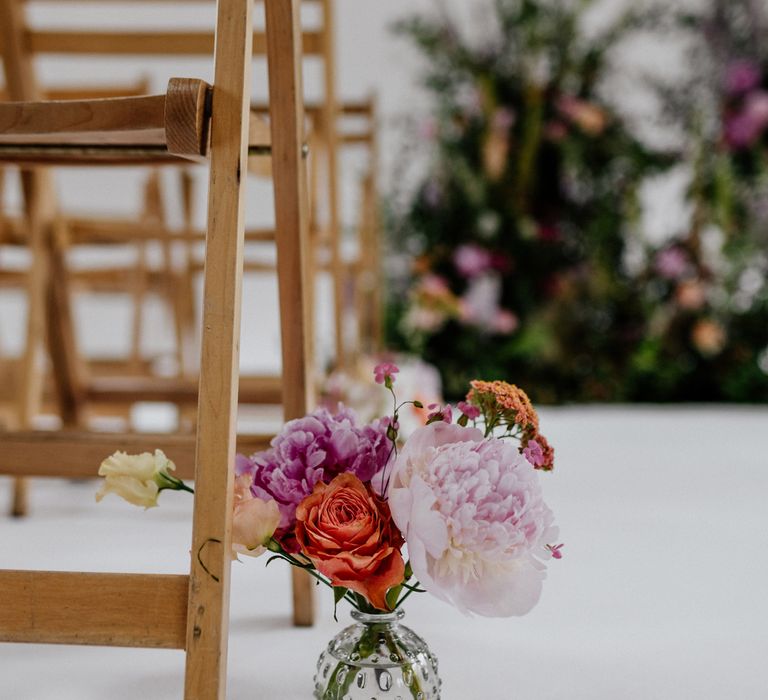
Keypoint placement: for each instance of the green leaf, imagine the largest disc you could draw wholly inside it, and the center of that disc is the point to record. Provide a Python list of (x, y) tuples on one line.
[(463, 420), (392, 595)]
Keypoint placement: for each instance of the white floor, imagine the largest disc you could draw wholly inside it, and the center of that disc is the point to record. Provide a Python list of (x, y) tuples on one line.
[(661, 593)]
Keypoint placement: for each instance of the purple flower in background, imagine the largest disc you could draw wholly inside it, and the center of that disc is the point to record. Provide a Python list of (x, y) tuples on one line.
[(310, 450), (741, 131), (741, 76), (503, 119), (672, 263), (433, 193), (471, 260)]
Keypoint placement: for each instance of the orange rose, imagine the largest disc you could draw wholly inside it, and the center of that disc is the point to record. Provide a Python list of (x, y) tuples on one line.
[(347, 532)]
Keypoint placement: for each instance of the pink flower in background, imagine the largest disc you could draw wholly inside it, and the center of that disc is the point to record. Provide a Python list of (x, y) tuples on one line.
[(424, 320), (310, 450), (471, 260), (503, 119), (672, 263), (428, 129), (590, 118), (469, 410), (743, 128), (548, 232), (434, 286), (472, 512), (504, 322), (384, 371), (741, 76)]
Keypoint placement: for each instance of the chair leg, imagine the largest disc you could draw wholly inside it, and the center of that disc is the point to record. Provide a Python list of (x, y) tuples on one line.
[(20, 498), (291, 229)]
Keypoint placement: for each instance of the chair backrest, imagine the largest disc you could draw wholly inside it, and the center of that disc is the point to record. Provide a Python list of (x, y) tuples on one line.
[(191, 611)]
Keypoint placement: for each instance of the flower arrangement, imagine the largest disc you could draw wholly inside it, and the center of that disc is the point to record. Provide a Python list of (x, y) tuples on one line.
[(516, 231), (456, 510), (704, 289)]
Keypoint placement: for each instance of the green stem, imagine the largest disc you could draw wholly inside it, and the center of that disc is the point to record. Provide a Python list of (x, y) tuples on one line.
[(410, 590)]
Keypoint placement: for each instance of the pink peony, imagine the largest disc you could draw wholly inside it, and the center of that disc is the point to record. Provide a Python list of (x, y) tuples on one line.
[(472, 513)]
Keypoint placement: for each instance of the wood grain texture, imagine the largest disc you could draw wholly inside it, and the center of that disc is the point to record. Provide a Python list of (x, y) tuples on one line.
[(51, 607), (187, 113), (79, 453), (128, 43), (208, 612), (291, 217), (43, 119)]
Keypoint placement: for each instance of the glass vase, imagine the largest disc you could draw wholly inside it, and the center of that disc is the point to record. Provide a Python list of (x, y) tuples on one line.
[(377, 657)]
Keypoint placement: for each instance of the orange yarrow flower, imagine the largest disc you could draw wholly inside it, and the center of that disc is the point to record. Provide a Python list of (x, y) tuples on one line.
[(507, 404)]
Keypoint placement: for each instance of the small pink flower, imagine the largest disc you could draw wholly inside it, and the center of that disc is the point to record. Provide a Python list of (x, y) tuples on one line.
[(533, 453), (741, 76), (385, 371), (470, 411), (472, 260), (504, 322), (555, 549), (672, 263), (440, 414)]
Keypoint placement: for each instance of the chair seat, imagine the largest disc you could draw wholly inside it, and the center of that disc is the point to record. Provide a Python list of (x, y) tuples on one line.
[(150, 129)]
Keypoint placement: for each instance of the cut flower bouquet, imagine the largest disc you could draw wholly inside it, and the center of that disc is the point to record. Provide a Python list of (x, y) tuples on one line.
[(344, 501)]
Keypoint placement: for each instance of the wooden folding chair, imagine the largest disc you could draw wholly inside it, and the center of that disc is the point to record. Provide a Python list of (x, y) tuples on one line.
[(79, 389), (191, 120)]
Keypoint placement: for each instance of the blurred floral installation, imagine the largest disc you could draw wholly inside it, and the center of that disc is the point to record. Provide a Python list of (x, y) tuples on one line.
[(519, 229)]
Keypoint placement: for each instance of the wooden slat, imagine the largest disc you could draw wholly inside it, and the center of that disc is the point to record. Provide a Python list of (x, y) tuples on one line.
[(267, 389), (54, 607), (127, 43), (44, 119), (291, 217), (89, 92), (78, 454), (208, 611)]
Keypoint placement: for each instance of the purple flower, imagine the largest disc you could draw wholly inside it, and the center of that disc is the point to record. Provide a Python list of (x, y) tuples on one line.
[(741, 76), (310, 450), (471, 260), (672, 263), (744, 128)]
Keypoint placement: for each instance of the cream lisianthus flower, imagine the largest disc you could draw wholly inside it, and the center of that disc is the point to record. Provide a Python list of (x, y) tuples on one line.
[(137, 478)]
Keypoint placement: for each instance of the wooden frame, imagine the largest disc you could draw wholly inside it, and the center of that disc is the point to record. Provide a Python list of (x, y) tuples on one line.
[(195, 607)]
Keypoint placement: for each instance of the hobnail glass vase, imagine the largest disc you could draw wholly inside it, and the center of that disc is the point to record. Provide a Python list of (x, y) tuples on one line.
[(377, 657)]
